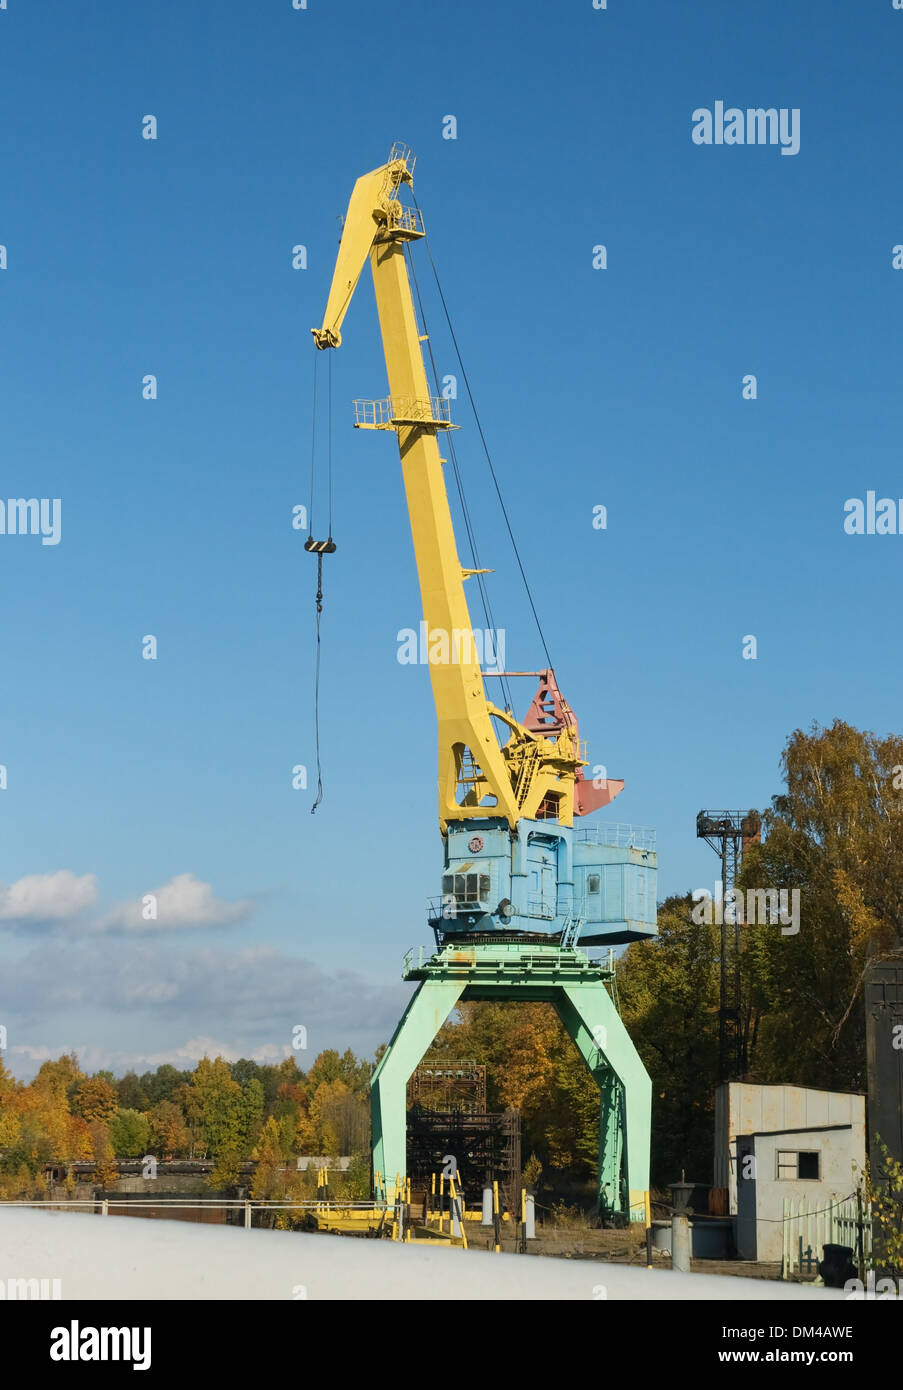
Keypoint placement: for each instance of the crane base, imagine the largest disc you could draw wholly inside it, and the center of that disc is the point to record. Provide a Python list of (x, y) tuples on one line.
[(576, 986)]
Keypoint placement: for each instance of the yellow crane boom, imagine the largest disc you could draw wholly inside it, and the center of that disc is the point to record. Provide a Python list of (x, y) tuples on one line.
[(529, 775)]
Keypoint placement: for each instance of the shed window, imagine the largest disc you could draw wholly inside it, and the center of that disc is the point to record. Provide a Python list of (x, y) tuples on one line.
[(593, 882), (805, 1165)]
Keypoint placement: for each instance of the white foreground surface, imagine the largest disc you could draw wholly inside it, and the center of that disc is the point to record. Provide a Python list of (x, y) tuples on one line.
[(113, 1257)]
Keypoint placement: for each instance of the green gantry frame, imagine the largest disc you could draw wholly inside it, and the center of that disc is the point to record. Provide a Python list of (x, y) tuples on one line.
[(576, 986)]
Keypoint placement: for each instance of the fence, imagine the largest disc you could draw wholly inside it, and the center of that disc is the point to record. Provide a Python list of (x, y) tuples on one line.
[(103, 1206), (617, 835), (834, 1220)]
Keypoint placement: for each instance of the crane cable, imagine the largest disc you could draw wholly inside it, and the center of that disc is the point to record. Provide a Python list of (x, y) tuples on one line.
[(320, 548), (485, 445), (468, 526)]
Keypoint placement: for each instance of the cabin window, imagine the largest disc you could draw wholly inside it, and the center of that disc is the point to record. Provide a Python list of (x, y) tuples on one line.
[(468, 890)]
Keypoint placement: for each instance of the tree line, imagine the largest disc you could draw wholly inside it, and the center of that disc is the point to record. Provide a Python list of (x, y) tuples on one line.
[(226, 1111)]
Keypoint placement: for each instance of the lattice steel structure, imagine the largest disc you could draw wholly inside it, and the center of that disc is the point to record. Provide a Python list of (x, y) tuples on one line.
[(728, 833), (440, 1085), (486, 1148)]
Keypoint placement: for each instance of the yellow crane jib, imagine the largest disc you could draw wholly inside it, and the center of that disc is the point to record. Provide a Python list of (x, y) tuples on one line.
[(530, 775)]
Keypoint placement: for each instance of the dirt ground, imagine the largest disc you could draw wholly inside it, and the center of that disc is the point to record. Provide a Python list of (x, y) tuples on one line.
[(625, 1246)]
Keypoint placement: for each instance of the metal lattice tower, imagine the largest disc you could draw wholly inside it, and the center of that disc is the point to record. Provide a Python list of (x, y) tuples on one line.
[(728, 833)]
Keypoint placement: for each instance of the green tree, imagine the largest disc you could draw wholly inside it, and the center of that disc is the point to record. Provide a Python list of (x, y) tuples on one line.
[(218, 1112), (887, 1214), (163, 1083), (245, 1070), (668, 991), (131, 1093), (129, 1132), (252, 1103)]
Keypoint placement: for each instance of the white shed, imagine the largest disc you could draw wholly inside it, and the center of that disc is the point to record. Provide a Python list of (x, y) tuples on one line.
[(773, 1142)]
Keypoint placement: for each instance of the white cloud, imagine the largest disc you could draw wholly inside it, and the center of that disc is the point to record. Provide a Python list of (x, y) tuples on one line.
[(94, 1057), (41, 898), (135, 1002), (196, 1048), (183, 902)]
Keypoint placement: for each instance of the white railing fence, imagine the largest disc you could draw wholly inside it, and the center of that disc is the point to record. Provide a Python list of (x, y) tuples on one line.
[(811, 1225)]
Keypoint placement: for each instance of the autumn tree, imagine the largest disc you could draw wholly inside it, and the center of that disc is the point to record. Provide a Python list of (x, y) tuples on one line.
[(168, 1134), (63, 1077), (331, 1066), (534, 1067), (96, 1099), (105, 1171), (268, 1181), (835, 834)]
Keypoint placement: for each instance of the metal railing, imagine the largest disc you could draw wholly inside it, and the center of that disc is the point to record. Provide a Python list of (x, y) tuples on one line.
[(101, 1206), (408, 220), (511, 955), (383, 414), (403, 152), (618, 835)]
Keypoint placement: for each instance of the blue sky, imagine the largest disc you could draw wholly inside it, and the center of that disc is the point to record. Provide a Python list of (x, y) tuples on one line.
[(619, 387)]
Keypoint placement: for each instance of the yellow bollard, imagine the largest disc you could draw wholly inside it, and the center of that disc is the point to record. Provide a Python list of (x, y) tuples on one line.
[(441, 1200), (453, 1194), (648, 1206), (495, 1216)]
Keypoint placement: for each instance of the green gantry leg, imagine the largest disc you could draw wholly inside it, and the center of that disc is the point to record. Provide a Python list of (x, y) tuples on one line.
[(593, 1022), (421, 1021), (575, 985)]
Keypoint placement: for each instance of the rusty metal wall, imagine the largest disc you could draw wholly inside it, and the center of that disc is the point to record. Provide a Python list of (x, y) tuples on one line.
[(884, 1055)]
